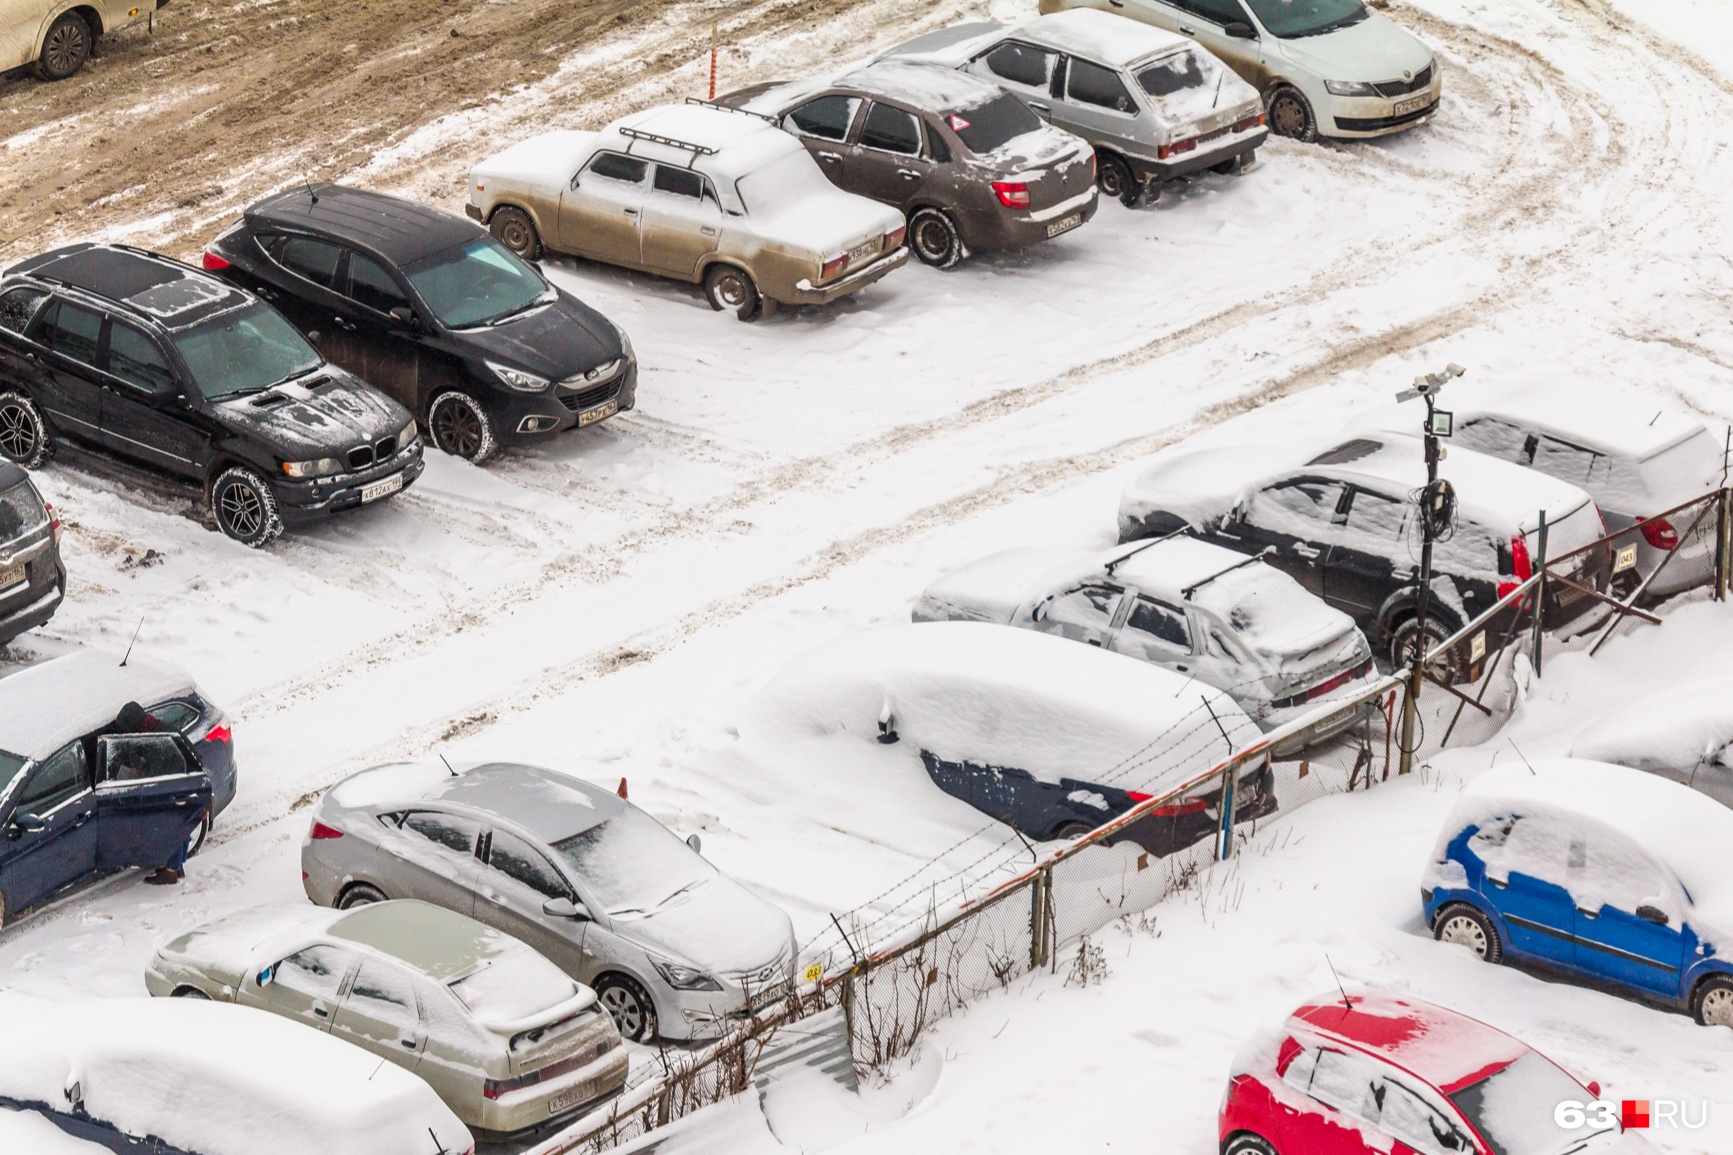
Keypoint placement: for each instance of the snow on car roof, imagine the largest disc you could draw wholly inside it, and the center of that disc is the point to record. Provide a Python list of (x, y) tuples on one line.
[(1492, 492), (1447, 1049), (548, 804), (222, 1079), (1101, 36), (924, 86), (49, 704), (737, 142), (441, 944), (1611, 422), (1175, 564)]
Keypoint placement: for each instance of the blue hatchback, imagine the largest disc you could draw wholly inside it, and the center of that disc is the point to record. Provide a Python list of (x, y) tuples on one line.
[(1595, 871)]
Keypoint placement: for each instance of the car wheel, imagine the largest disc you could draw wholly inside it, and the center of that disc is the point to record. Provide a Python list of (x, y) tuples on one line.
[(461, 427), (626, 999), (245, 508), (1114, 178), (731, 287), (23, 433), (189, 993), (934, 238), (1449, 667), (1249, 1144), (513, 228), (196, 842), (65, 48), (1712, 1003), (359, 894), (1070, 831), (1291, 115), (1465, 926), (1233, 164)]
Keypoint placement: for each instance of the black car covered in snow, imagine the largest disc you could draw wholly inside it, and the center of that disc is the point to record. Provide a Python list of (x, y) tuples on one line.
[(153, 361), (430, 308), (32, 577)]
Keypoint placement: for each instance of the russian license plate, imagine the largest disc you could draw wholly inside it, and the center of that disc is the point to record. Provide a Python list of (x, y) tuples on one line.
[(860, 251), (562, 1102), (1412, 104), (381, 489), (1626, 559), (11, 577), (599, 412), (1064, 224)]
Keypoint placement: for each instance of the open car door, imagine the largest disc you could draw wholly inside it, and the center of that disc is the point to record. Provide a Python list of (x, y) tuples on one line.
[(151, 794)]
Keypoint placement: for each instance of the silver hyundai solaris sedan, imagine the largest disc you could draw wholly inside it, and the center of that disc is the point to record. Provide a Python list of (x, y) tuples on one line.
[(672, 946), (505, 1037)]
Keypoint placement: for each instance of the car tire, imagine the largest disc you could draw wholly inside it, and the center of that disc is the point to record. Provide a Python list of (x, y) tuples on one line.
[(1450, 669), (245, 508), (1291, 114), (934, 238), (732, 287), (629, 1003), (1712, 1002), (65, 48), (1070, 831), (1462, 925), (458, 424), (24, 436), (513, 228), (1113, 177), (196, 843), (189, 993), (359, 894), (1247, 1143), (1235, 164)]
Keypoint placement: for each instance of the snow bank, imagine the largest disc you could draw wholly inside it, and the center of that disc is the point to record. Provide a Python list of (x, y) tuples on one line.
[(1674, 730)]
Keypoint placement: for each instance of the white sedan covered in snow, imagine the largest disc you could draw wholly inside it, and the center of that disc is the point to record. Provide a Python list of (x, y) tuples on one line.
[(1685, 733), (1229, 621)]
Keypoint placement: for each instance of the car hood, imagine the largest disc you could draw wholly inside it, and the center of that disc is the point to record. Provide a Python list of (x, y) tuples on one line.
[(315, 417), (1376, 49), (721, 928), (224, 948), (993, 588), (565, 338)]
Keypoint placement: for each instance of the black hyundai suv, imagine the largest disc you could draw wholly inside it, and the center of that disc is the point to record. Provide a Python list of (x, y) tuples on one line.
[(430, 308), (150, 360)]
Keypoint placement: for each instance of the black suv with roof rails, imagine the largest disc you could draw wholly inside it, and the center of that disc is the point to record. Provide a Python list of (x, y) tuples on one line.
[(156, 362), (430, 308)]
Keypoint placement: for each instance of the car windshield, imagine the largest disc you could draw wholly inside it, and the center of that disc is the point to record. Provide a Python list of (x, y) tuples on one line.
[(1513, 1108), (1291, 18), (10, 764), (992, 125), (519, 986), (476, 284), (633, 864), (784, 183), (244, 351), (20, 511)]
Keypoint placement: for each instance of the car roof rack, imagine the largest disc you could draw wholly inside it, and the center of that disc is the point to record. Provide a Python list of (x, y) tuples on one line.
[(764, 116), (671, 142)]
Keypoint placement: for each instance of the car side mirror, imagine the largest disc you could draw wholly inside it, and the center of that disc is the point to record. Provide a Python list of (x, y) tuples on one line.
[(563, 907), (1039, 613), (696, 843), (1652, 914), (314, 337), (23, 824), (1239, 30), (268, 975), (406, 317)]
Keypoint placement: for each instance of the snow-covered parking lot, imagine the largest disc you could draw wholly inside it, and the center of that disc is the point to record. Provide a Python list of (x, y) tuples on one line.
[(608, 605)]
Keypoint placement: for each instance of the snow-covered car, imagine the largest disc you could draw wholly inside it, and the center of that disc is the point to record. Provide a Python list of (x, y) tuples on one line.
[(1373, 1074), (1050, 738), (1154, 105), (508, 1040), (1634, 458), (716, 197), (189, 1077), (1331, 68), (32, 575), (969, 165), (1198, 609), (1595, 871), (1684, 733), (671, 945), (1345, 524)]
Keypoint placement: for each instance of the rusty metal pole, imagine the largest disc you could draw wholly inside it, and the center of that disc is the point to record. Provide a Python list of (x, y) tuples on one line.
[(713, 60)]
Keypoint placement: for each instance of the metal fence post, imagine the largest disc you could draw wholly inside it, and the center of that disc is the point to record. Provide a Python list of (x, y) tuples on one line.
[(1722, 525), (1225, 843), (1539, 600)]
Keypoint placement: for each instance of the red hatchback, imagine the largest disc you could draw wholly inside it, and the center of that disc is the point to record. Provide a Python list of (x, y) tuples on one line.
[(1378, 1074)]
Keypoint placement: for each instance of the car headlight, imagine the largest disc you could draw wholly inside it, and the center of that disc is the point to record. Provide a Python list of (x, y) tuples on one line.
[(685, 978), (625, 345), (406, 436), (323, 467), (1349, 88), (518, 379)]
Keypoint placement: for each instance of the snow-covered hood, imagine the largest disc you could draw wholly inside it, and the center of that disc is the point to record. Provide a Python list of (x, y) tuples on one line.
[(720, 927), (545, 161), (224, 948), (993, 588), (318, 416), (559, 340), (1376, 49)]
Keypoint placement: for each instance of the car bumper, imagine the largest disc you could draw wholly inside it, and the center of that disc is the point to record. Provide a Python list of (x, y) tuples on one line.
[(561, 1098), (806, 293), (1003, 230), (1206, 156), (304, 501), (472, 210), (530, 417), (28, 608), (1364, 117), (1351, 715)]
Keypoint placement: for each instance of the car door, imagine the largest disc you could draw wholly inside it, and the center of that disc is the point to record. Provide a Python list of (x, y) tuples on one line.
[(1155, 631), (601, 207), (1084, 613), (151, 794), (307, 985), (1369, 559), (1527, 865), (315, 275), (145, 414), (380, 1013), (383, 330), (1206, 21), (49, 839), (1296, 519), (1027, 71), (70, 337), (20, 356), (1340, 1086), (1629, 914), (438, 859), (517, 879), (1098, 100), (886, 161), (681, 222), (823, 125), (1413, 1122)]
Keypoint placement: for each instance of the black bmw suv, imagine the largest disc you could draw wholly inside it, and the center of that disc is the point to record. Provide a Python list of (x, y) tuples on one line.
[(430, 308), (150, 360)]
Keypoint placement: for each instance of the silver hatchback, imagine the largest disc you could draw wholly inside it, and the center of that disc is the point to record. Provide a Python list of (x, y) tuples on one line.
[(672, 946)]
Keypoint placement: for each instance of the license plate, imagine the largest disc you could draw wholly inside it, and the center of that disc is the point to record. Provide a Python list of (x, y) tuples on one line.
[(860, 251), (1627, 559), (1412, 104), (1064, 224), (562, 1102), (599, 412), (11, 577), (381, 489)]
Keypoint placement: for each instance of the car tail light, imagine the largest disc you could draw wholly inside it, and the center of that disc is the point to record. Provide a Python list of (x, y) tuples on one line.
[(1249, 122), (320, 830), (1338, 681), (214, 263), (218, 733), (1661, 534), (1170, 809), (53, 521), (832, 267), (1520, 565), (1013, 194), (893, 239), (1176, 148)]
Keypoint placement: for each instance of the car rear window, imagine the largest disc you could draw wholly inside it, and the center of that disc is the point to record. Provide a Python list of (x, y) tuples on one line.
[(1176, 73), (990, 126), (21, 511)]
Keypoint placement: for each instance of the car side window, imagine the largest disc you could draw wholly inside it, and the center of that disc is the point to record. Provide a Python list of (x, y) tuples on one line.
[(455, 834), (1161, 621), (515, 858), (1373, 515), (62, 775), (384, 994), (371, 286), (1098, 86), (889, 129), (1538, 846), (1345, 1082), (680, 182), (1298, 1073), (827, 118), (616, 167), (1406, 1117), (18, 306), (317, 972), (175, 715), (1315, 501), (138, 360), (1222, 12), (937, 148), (311, 260), (73, 332), (1021, 64), (138, 757)]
